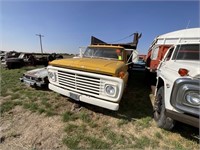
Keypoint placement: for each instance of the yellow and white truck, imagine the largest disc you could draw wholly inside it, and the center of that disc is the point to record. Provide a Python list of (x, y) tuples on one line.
[(98, 77)]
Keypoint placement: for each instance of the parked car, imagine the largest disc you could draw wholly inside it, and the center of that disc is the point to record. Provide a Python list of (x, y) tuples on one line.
[(2, 54), (139, 65), (6, 55), (36, 77), (21, 60)]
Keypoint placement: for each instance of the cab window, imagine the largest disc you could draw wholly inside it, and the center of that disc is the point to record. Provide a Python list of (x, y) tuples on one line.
[(187, 52)]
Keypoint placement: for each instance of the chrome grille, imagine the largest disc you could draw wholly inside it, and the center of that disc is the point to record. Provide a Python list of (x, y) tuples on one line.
[(80, 83), (30, 78)]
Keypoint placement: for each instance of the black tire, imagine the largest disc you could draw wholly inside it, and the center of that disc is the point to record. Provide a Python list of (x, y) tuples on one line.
[(160, 112)]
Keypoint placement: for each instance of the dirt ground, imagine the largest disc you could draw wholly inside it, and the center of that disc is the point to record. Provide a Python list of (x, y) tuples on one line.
[(23, 129)]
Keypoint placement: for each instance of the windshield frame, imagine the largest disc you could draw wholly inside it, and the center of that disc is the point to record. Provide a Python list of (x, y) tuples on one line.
[(103, 52)]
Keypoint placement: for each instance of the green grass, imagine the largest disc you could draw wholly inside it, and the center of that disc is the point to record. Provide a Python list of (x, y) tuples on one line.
[(142, 142), (131, 127), (115, 138), (77, 139), (143, 123), (45, 102), (96, 143), (178, 146), (28, 97), (8, 105), (81, 141), (69, 116), (70, 128), (85, 117), (15, 96), (72, 141), (93, 124), (31, 106), (158, 135), (50, 112), (41, 110), (122, 122)]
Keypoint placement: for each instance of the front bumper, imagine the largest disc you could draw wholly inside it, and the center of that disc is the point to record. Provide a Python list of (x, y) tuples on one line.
[(182, 87), (187, 119), (85, 98), (32, 82)]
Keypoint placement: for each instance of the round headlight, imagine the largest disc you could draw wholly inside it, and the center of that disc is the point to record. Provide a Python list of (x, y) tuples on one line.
[(193, 98), (52, 76), (110, 90)]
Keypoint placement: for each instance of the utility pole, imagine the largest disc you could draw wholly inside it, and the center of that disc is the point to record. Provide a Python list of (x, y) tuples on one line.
[(40, 36)]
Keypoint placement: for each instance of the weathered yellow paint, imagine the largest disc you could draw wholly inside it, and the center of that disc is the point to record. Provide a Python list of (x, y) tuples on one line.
[(95, 65)]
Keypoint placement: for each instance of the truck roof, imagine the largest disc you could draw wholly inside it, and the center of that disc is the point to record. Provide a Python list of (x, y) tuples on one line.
[(184, 33), (179, 36)]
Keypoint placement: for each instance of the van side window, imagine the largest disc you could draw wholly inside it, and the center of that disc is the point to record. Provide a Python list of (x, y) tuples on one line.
[(169, 54)]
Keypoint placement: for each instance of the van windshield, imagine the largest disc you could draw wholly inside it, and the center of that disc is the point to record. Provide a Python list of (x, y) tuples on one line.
[(187, 52), (105, 53)]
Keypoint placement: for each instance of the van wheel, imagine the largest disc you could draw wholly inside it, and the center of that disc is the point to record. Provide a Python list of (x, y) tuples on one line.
[(159, 111)]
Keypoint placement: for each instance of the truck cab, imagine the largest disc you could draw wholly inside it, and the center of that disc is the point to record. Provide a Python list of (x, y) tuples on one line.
[(160, 47), (177, 96)]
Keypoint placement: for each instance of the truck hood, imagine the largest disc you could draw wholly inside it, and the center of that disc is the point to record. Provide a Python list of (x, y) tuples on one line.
[(39, 73), (96, 65), (192, 66)]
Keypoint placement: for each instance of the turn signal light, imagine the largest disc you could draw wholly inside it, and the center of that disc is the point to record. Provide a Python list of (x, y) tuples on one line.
[(121, 74), (183, 72)]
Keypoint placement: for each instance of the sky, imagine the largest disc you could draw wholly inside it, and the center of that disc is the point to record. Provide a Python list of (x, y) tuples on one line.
[(68, 25)]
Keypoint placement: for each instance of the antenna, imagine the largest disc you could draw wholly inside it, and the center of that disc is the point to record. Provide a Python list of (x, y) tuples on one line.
[(188, 24)]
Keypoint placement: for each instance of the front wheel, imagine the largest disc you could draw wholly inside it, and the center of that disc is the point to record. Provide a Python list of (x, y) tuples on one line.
[(159, 111)]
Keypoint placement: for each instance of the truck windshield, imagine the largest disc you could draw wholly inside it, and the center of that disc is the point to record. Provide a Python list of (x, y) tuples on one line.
[(102, 52), (187, 52)]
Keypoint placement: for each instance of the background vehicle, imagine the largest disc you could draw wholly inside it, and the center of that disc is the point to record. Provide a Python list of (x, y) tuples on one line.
[(177, 94), (140, 64), (36, 77), (5, 55), (21, 60), (160, 46), (98, 77), (12, 60)]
